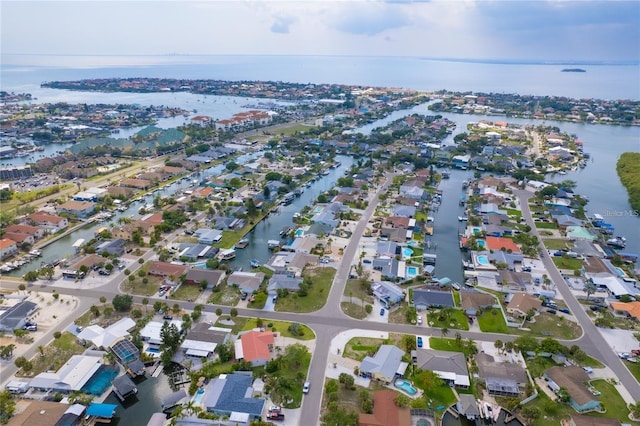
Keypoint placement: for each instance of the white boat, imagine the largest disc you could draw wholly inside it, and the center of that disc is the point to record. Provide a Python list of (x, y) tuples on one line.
[(242, 243), (462, 218), (228, 254), (620, 242), (255, 263), (273, 244)]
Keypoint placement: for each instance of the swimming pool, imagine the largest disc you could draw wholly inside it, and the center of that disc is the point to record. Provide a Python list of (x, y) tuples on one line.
[(412, 271), (101, 380), (477, 230), (299, 233), (153, 350), (407, 252), (406, 386), (621, 273), (482, 259), (197, 398), (481, 243)]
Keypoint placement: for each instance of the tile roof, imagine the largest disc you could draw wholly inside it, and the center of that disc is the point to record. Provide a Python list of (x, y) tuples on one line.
[(256, 345)]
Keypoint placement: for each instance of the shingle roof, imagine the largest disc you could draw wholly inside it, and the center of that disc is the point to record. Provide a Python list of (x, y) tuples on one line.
[(232, 393), (432, 297)]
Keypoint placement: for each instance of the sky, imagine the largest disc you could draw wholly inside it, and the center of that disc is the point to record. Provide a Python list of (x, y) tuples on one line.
[(461, 29)]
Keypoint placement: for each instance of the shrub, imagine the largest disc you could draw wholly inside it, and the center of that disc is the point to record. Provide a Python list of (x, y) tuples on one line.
[(57, 335)]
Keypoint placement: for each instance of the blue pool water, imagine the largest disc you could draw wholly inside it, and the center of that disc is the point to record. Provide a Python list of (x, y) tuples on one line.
[(412, 244), (101, 380), (412, 271), (405, 386), (482, 259), (621, 273), (299, 233), (153, 350), (407, 252), (476, 230), (482, 243), (197, 398)]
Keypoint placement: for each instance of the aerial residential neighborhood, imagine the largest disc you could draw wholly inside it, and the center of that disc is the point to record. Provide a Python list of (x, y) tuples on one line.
[(302, 273)]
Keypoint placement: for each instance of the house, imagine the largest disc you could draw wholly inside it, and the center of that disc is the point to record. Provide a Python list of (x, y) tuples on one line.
[(112, 247), (20, 238), (79, 209), (514, 280), (106, 337), (449, 366), (208, 236), (20, 228), (247, 282), (385, 411), (8, 248), (467, 406), (41, 413), (202, 340), (282, 282), (16, 316), (124, 387), (167, 270), (195, 276), (404, 211), (151, 332), (230, 394), (386, 365), (475, 301), (193, 252), (501, 378), (72, 376), (629, 309), (51, 223), (499, 243), (425, 298), (522, 303), (582, 420), (387, 292), (573, 379), (255, 347)]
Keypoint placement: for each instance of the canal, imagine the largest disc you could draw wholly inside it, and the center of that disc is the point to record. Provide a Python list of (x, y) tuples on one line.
[(270, 227)]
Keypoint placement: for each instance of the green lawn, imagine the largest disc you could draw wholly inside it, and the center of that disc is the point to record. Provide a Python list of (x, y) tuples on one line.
[(228, 296), (359, 347), (447, 344), (514, 212), (55, 354), (281, 327), (634, 369), (566, 262), (353, 310), (286, 382), (546, 225), (296, 128), (187, 292), (355, 289), (321, 279), (457, 320), (492, 321), (548, 325), (612, 401), (238, 326), (555, 243)]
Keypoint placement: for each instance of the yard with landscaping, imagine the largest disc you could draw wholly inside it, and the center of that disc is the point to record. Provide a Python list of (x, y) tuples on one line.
[(449, 318), (316, 295), (454, 345), (358, 289), (492, 321), (612, 402), (546, 225)]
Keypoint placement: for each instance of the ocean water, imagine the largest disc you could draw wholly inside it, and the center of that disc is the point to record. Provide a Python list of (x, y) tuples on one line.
[(23, 72)]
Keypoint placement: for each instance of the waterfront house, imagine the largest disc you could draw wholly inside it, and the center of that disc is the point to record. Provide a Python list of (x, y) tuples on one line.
[(112, 247), (151, 332), (385, 365), (573, 379), (8, 248), (72, 376), (449, 366), (425, 298), (385, 411), (474, 301), (513, 280), (137, 184), (51, 223), (255, 347), (35, 231), (79, 209), (201, 342), (467, 406), (47, 413), (390, 268), (627, 309), (501, 378), (208, 236), (193, 252), (231, 395), (123, 387)]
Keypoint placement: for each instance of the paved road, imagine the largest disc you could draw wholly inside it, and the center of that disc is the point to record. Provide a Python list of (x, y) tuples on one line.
[(591, 340)]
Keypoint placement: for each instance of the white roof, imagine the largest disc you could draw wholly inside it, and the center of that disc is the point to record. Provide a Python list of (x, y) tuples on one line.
[(197, 352), (151, 331), (71, 376), (105, 337), (207, 347)]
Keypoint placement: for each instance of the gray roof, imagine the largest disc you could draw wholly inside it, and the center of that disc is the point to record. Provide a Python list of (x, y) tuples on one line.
[(212, 276), (201, 332), (385, 362), (488, 368), (15, 315), (123, 384), (431, 297), (501, 385), (172, 399), (232, 393), (467, 405), (388, 247), (278, 281), (406, 211), (445, 361)]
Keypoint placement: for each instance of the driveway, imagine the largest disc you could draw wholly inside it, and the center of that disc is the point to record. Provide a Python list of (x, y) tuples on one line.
[(269, 306)]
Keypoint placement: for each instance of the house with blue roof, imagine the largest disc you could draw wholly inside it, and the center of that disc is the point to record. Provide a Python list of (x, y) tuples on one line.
[(232, 393), (389, 268), (386, 365)]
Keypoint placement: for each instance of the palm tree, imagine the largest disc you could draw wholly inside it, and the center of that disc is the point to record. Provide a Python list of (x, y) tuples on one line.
[(444, 331), (498, 345)]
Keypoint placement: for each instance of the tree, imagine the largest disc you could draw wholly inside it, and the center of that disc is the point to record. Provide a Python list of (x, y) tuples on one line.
[(6, 352), (22, 287), (409, 342), (145, 302), (171, 338), (563, 395), (20, 361), (233, 312), (347, 380), (530, 413), (444, 331), (499, 345), (30, 276), (122, 302), (402, 400), (103, 300), (7, 406), (41, 350), (95, 310), (176, 308), (57, 334), (218, 311), (589, 288), (339, 416), (157, 306), (635, 410)]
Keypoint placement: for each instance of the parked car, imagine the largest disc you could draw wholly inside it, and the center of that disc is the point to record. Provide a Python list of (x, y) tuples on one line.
[(565, 310), (381, 312), (305, 387), (167, 317), (244, 295), (587, 370), (419, 341), (419, 319), (624, 355), (552, 311)]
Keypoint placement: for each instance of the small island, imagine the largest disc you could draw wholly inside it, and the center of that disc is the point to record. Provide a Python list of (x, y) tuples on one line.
[(573, 70)]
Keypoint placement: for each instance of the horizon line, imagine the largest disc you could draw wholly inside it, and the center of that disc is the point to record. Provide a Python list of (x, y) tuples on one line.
[(515, 61)]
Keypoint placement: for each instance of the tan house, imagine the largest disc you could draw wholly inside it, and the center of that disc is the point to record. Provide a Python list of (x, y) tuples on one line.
[(522, 303)]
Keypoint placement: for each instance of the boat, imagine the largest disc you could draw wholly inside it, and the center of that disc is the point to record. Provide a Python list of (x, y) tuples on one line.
[(255, 263), (242, 243), (462, 218), (35, 252), (228, 254), (273, 244), (284, 231), (620, 242), (445, 175)]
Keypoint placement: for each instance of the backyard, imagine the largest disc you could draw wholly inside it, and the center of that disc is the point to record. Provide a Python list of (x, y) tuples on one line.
[(54, 355), (613, 403), (317, 293), (492, 321), (453, 345), (546, 225)]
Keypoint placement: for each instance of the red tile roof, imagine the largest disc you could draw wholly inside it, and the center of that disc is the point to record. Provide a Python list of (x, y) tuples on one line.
[(497, 243), (255, 345)]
